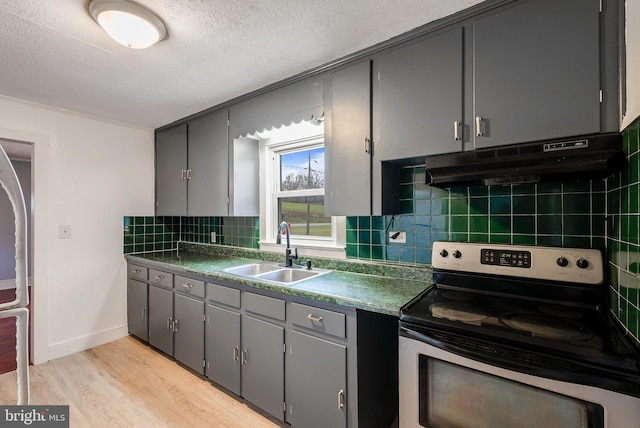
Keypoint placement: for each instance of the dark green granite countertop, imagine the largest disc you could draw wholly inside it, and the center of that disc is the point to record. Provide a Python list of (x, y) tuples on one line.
[(368, 286)]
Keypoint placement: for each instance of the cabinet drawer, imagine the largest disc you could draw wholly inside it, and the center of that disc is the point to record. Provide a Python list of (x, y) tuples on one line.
[(225, 295), (160, 278), (316, 319), (137, 272), (190, 286), (263, 305)]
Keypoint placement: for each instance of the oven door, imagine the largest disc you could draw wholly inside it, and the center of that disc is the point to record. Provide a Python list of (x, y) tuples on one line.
[(439, 389)]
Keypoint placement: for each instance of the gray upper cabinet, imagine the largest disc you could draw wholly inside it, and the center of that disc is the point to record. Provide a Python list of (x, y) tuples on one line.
[(192, 171), (421, 98), (171, 169), (348, 141), (208, 166), (317, 382), (536, 72)]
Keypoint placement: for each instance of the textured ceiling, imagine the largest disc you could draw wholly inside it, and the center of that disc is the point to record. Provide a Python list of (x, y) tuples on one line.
[(53, 53)]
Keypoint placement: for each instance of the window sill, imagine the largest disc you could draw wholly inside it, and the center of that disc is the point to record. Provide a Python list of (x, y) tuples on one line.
[(313, 250)]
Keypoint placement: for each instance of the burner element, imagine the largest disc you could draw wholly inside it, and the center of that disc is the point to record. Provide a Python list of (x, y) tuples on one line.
[(458, 312), (547, 327)]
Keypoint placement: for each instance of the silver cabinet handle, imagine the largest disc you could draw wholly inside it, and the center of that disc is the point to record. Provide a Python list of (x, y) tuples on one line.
[(184, 174), (367, 145), (479, 126), (245, 353), (144, 312), (456, 130), (159, 277), (236, 353), (188, 174), (187, 285), (310, 317), (175, 326), (137, 270), (341, 399), (170, 323)]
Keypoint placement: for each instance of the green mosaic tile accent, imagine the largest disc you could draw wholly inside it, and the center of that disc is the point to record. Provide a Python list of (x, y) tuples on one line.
[(144, 234), (141, 234), (623, 230)]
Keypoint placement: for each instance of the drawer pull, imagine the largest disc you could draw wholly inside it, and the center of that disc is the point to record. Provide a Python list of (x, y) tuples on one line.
[(187, 285), (159, 277), (341, 399), (310, 317), (137, 270)]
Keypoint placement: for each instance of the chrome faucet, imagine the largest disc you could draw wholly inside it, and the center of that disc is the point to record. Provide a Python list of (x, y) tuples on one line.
[(288, 257)]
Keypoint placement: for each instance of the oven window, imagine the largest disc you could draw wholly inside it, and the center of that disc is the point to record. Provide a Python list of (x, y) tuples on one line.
[(456, 396)]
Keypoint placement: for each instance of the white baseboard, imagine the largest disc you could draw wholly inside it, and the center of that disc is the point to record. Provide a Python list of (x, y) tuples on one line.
[(62, 349)]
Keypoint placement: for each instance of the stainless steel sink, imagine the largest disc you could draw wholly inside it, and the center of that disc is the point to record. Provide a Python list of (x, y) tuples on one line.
[(288, 275), (252, 269), (274, 273)]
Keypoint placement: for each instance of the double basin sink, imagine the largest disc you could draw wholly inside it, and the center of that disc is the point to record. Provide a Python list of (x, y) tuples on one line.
[(275, 273)]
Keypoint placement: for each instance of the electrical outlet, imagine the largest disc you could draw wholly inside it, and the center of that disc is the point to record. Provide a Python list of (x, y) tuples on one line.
[(397, 237), (64, 231), (213, 237)]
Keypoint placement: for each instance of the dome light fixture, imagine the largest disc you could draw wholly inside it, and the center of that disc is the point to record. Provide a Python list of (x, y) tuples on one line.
[(128, 23)]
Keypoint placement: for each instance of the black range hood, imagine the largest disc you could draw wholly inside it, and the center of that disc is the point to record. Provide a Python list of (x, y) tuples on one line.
[(587, 157)]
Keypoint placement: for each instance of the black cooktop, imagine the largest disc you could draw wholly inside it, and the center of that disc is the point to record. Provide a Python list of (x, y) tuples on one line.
[(585, 333)]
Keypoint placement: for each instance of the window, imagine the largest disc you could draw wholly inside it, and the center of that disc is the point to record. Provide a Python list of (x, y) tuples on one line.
[(292, 189)]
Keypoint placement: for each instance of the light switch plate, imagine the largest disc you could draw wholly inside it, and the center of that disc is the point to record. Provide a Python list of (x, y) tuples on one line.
[(64, 231), (397, 237)]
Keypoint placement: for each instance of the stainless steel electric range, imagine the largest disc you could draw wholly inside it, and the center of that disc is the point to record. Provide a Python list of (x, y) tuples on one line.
[(515, 336)]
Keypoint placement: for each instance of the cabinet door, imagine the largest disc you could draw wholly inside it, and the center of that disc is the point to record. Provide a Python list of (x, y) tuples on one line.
[(171, 167), (263, 365), (160, 319), (347, 141), (222, 347), (208, 166), (316, 382), (137, 309), (189, 332), (536, 72), (421, 98)]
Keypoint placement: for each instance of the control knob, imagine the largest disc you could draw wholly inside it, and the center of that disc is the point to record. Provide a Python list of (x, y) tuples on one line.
[(562, 261), (582, 263), (457, 254), (444, 253)]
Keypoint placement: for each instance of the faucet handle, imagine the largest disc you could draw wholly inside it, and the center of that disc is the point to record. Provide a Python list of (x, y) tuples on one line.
[(295, 256)]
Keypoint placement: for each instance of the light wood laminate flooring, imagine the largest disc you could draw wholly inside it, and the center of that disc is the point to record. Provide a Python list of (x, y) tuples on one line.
[(127, 384)]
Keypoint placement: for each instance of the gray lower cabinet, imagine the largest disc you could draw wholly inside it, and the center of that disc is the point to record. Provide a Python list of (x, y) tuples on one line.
[(189, 332), (316, 382), (263, 365), (222, 347), (161, 319), (137, 309)]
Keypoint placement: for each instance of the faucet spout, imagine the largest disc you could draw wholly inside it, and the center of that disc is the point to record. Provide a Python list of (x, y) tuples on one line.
[(288, 257)]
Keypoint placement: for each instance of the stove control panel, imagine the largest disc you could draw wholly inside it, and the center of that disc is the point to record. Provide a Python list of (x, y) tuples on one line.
[(584, 266), (513, 258)]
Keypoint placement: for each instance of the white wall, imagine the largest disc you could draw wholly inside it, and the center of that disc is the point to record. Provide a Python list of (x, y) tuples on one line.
[(88, 173), (632, 35)]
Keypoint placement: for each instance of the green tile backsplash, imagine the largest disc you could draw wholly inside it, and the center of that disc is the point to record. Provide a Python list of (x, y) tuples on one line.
[(161, 233), (623, 236), (571, 214)]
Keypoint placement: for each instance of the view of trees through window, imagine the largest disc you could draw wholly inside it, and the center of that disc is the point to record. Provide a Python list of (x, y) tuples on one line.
[(301, 196)]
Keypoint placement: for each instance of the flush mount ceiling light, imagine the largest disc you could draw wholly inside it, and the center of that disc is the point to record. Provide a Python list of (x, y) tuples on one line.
[(128, 23)]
